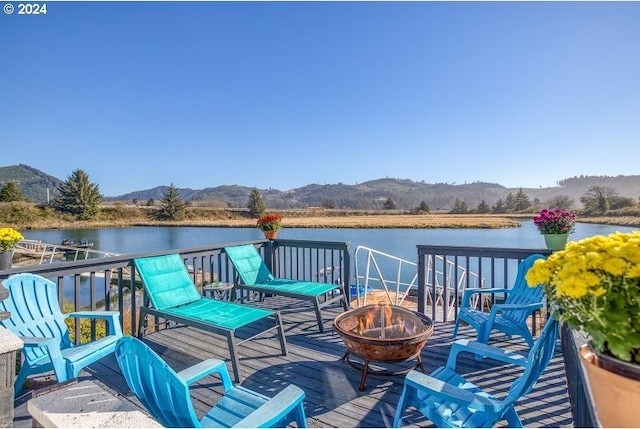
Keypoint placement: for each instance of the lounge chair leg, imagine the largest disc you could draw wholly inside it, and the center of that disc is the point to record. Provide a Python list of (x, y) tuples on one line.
[(142, 321), (283, 340), (316, 304), (235, 364)]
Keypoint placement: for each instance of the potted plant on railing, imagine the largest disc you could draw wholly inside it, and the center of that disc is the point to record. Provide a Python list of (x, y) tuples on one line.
[(270, 224), (9, 238), (594, 286), (555, 226)]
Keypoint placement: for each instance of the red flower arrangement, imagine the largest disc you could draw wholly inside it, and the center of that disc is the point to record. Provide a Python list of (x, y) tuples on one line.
[(269, 222), (556, 221)]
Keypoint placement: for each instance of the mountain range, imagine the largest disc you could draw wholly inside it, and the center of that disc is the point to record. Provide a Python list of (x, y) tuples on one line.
[(406, 194)]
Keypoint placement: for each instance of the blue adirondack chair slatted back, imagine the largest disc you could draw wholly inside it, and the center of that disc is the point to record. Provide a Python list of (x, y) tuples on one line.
[(538, 359), (157, 386), (167, 281), (521, 292), (249, 264), (35, 311)]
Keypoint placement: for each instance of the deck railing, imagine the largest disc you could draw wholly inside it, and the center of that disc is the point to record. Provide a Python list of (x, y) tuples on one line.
[(497, 267), (112, 283)]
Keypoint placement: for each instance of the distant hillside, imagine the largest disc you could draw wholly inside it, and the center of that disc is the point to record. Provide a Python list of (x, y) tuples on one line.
[(406, 194), (33, 183)]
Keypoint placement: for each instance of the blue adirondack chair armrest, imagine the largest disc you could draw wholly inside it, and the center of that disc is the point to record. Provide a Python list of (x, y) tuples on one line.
[(200, 370), (466, 296), (110, 316), (274, 409), (37, 341), (531, 306), (478, 348), (451, 393), (51, 344), (98, 314)]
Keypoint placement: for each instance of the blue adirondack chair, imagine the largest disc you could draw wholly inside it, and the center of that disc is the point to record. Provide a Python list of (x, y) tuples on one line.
[(166, 395), (37, 319), (509, 317), (449, 400)]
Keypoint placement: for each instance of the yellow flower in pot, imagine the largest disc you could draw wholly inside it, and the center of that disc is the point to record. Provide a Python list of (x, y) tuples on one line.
[(270, 224), (9, 238), (594, 286)]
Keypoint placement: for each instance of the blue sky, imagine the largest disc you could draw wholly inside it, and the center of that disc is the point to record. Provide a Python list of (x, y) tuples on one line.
[(285, 94)]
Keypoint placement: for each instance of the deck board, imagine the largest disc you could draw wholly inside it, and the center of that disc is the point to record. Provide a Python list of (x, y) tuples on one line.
[(315, 364)]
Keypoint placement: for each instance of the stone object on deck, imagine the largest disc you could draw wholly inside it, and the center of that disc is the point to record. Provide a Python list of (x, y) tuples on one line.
[(86, 404), (10, 344)]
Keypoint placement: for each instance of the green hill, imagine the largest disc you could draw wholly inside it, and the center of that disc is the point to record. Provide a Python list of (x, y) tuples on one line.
[(33, 183)]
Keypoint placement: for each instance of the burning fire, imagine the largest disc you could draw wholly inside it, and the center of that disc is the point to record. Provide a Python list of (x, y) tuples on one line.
[(380, 322)]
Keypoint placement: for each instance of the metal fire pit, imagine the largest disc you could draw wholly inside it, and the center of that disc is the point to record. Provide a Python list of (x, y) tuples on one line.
[(383, 333)]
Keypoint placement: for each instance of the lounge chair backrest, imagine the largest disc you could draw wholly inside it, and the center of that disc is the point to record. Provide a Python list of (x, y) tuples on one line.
[(249, 264), (165, 395), (167, 281), (521, 293), (35, 311)]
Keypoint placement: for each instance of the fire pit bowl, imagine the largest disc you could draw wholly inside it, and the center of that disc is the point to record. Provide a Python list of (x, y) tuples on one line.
[(383, 333)]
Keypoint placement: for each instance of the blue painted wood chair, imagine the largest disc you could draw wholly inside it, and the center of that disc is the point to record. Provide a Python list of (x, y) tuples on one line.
[(449, 400), (253, 274), (166, 394), (511, 316), (37, 319)]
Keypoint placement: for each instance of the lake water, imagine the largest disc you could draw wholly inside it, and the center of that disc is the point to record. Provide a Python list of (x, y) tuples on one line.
[(400, 242)]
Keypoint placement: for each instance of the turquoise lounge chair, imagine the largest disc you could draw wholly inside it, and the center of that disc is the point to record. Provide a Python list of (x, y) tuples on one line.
[(37, 319), (449, 400), (170, 294), (510, 317), (253, 274), (166, 394)]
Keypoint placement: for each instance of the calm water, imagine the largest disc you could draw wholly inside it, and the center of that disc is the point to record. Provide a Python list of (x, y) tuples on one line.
[(399, 242)]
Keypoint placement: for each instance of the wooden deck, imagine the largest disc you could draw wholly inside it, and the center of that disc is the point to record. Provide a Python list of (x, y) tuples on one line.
[(314, 364)]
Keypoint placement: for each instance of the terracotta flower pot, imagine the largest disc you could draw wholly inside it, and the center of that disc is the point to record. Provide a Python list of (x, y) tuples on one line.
[(615, 396), (270, 235)]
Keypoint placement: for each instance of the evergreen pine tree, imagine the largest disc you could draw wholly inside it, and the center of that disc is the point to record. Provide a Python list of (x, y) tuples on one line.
[(389, 204), (521, 201), (78, 196), (256, 205), (11, 192), (483, 207), (423, 208), (171, 207)]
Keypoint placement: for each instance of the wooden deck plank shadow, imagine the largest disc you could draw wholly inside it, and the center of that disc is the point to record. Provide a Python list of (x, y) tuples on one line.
[(314, 364)]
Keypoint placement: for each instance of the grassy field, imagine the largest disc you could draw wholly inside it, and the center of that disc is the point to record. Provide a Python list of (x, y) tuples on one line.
[(24, 216)]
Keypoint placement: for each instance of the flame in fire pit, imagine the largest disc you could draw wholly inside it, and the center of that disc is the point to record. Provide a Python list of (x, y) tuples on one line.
[(379, 321)]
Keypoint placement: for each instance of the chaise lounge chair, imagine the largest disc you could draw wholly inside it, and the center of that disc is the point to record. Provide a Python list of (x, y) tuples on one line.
[(172, 295), (253, 274)]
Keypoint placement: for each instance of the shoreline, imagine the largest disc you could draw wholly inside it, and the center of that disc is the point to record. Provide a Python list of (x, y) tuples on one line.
[(316, 220)]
